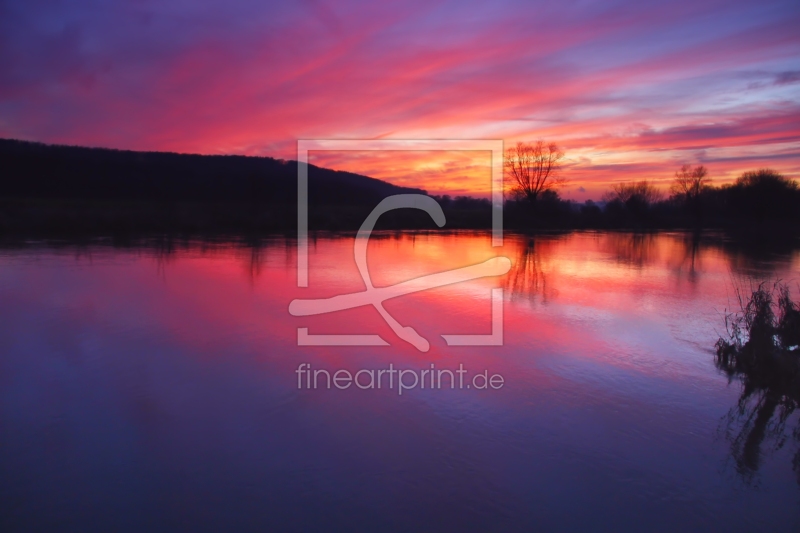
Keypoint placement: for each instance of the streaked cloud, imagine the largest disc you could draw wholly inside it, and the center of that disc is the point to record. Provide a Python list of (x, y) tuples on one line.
[(631, 89)]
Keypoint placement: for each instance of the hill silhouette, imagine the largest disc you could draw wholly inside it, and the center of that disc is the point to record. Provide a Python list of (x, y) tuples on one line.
[(55, 187), (35, 170)]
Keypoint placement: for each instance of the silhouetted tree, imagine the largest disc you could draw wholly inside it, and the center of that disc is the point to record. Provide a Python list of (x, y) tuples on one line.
[(689, 182), (688, 188), (764, 194), (534, 168), (636, 197)]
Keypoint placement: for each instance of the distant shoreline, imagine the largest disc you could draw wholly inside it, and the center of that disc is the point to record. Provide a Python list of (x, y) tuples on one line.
[(72, 191)]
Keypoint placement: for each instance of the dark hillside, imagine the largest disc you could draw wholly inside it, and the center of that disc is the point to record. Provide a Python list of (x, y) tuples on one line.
[(34, 170), (66, 189)]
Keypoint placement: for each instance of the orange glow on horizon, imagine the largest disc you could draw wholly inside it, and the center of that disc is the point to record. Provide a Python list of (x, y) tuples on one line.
[(631, 91)]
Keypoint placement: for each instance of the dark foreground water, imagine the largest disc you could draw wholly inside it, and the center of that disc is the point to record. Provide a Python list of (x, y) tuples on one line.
[(155, 388)]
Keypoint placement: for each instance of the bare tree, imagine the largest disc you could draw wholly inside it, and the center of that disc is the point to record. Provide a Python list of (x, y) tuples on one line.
[(636, 196), (690, 182), (534, 168)]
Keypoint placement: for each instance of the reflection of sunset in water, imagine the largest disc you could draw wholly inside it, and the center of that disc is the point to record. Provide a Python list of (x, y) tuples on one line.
[(190, 348)]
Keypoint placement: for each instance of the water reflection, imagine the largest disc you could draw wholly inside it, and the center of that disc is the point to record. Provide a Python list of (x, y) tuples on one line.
[(760, 350), (756, 425), (157, 376), (637, 249), (528, 279), (688, 254), (689, 264)]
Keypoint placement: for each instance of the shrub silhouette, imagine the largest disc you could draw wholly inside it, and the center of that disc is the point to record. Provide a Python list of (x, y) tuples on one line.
[(763, 194), (761, 349)]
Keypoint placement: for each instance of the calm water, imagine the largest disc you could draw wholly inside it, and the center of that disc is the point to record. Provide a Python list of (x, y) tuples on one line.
[(154, 388)]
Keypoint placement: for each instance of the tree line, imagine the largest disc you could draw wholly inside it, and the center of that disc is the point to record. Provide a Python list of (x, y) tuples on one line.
[(48, 189), (534, 175)]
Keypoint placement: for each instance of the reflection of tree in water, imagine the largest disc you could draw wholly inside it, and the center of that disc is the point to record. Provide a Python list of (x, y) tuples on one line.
[(742, 253), (684, 253), (691, 243), (164, 251), (761, 351), (753, 251), (636, 249), (527, 278), (760, 416), (250, 250), (255, 250), (680, 253)]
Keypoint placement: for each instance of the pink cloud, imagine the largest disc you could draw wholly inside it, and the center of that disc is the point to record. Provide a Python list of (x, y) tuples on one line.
[(630, 90)]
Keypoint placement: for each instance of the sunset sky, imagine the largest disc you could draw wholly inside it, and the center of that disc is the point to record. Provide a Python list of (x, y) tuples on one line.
[(630, 89)]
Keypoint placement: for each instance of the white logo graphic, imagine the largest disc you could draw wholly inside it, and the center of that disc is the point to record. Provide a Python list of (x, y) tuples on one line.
[(375, 296)]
